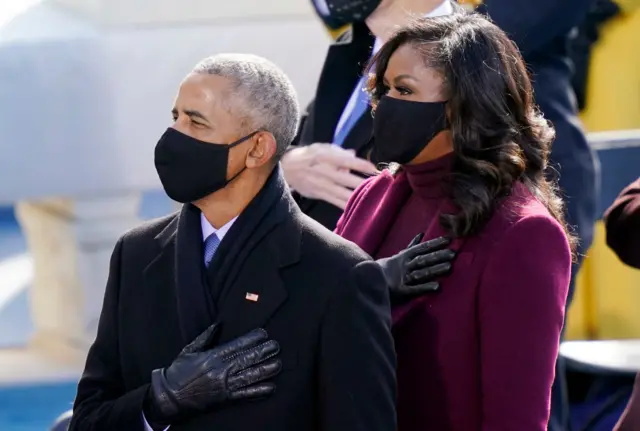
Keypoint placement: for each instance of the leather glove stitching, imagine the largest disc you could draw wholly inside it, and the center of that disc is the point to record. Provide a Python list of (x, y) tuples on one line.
[(176, 393), (256, 348)]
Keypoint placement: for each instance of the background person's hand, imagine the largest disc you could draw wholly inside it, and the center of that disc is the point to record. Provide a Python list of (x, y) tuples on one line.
[(414, 270), (323, 171), (201, 377)]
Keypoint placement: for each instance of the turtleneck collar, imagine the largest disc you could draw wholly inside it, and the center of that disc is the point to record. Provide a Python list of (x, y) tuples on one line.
[(430, 179)]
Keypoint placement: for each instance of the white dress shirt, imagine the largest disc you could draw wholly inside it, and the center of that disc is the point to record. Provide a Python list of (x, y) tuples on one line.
[(207, 230), (445, 8)]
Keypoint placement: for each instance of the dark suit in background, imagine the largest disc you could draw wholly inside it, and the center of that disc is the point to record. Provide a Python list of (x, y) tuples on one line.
[(342, 69), (319, 296)]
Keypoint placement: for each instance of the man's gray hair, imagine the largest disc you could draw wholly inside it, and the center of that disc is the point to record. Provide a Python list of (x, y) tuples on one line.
[(263, 97)]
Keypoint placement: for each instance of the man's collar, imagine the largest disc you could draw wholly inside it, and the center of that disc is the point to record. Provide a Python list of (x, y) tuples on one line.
[(208, 229)]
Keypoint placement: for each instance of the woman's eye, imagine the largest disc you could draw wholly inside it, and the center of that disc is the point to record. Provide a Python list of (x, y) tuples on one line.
[(404, 91)]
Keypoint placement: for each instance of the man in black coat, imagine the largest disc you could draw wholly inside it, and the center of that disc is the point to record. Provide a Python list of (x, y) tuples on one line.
[(240, 255)]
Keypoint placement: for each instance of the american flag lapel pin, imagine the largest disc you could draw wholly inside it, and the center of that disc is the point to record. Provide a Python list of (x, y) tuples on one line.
[(251, 297)]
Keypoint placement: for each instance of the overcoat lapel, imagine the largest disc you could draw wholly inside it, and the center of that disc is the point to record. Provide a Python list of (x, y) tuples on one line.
[(370, 234), (159, 278), (194, 299), (264, 239), (373, 230), (260, 243), (181, 262), (402, 311)]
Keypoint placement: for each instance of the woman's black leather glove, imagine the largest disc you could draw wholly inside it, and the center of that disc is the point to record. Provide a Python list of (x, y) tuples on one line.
[(201, 377), (414, 270)]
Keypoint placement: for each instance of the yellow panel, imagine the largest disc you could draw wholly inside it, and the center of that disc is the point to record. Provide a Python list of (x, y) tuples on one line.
[(580, 318), (628, 5), (614, 77), (607, 301), (616, 293), (335, 33)]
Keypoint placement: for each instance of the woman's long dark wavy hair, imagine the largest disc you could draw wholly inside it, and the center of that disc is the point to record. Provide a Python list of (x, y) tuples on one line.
[(499, 136)]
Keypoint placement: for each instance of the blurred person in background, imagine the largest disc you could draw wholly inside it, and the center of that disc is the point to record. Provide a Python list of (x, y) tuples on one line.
[(622, 221), (327, 160), (454, 108), (583, 42), (238, 256)]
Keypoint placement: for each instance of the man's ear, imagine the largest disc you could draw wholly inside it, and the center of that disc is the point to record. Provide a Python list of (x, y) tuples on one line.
[(263, 150)]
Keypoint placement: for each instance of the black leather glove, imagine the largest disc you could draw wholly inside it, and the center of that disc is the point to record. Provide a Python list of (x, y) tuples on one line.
[(201, 377), (414, 270)]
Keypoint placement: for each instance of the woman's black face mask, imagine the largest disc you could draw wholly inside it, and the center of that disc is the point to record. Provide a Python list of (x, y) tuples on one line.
[(403, 128), (344, 12)]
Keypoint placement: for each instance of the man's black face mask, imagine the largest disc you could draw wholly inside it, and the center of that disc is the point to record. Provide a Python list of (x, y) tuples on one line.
[(190, 169), (339, 13)]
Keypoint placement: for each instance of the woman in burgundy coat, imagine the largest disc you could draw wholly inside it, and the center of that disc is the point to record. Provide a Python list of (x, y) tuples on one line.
[(455, 110)]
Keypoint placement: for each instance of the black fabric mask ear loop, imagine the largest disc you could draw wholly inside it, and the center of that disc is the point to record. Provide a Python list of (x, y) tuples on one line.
[(236, 175), (234, 144), (241, 140)]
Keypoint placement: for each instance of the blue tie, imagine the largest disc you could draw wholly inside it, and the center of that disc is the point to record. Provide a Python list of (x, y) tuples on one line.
[(360, 107), (210, 246)]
